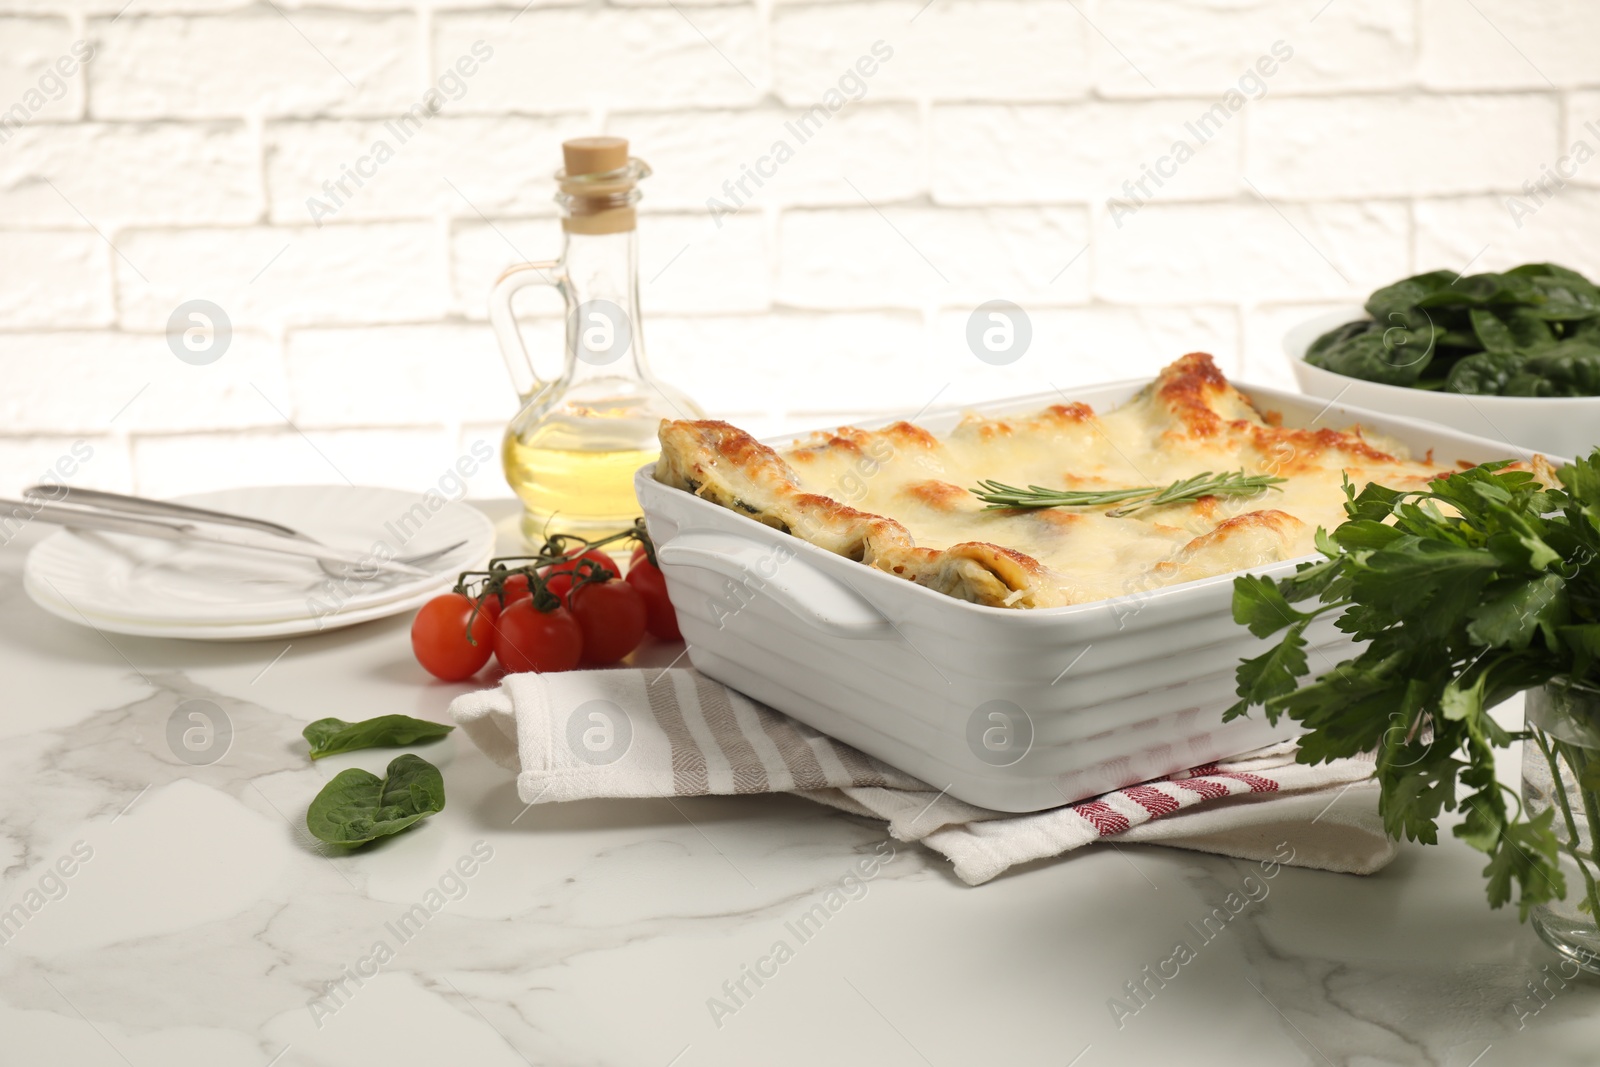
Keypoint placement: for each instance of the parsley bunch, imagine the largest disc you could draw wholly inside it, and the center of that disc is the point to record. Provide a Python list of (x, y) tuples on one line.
[(1479, 587)]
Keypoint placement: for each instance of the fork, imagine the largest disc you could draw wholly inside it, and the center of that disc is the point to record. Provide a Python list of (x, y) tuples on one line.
[(121, 504)]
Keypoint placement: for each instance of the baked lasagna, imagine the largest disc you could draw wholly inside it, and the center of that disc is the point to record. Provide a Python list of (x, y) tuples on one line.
[(898, 498)]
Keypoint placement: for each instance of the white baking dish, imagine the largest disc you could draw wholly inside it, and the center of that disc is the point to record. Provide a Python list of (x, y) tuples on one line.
[(1091, 697)]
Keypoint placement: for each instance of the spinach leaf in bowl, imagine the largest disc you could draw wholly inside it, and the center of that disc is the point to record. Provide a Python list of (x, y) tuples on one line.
[(1336, 337), (1568, 368), (358, 807), (1483, 374), (1404, 295), (1510, 334), (1492, 331), (1529, 330), (1463, 340), (1479, 290), (1588, 330), (1561, 295), (1395, 356), (328, 736)]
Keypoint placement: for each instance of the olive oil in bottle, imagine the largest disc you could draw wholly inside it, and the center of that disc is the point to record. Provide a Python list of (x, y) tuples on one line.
[(572, 451), (572, 488)]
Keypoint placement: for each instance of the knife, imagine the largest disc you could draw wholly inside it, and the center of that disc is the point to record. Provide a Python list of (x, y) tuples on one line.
[(82, 518)]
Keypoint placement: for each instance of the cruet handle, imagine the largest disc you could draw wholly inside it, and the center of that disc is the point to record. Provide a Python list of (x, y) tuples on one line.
[(512, 347)]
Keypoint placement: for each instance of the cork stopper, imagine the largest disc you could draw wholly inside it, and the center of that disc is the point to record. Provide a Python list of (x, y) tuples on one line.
[(594, 155), (599, 185)]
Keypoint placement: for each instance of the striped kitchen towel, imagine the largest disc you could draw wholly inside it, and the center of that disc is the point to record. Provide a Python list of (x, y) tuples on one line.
[(635, 733)]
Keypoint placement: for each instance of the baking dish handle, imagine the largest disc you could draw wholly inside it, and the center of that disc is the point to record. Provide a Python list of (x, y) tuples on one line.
[(777, 574)]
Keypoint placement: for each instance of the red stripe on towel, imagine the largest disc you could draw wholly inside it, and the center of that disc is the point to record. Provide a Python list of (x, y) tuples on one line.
[(1207, 789), (1256, 783), (1152, 800), (1105, 819)]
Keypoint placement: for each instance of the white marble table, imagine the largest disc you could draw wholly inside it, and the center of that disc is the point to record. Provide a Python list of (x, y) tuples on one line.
[(203, 928)]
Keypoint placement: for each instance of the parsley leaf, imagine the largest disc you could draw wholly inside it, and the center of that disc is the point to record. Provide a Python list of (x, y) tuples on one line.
[(1260, 606), (1526, 856), (1274, 673), (1460, 595)]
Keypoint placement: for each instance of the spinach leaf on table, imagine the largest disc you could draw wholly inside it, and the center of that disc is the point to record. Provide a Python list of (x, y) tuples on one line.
[(358, 807), (328, 736)]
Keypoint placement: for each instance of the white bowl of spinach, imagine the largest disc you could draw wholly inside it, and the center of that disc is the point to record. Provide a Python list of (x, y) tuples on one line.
[(1514, 355)]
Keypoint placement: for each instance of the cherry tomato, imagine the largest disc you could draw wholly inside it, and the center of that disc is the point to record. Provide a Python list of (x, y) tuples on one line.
[(491, 607), (439, 637), (597, 555), (560, 585), (559, 575), (661, 620), (612, 616), (526, 639), (516, 588), (638, 554)]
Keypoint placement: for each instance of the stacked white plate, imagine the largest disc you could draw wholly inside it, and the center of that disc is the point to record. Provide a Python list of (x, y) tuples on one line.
[(155, 588)]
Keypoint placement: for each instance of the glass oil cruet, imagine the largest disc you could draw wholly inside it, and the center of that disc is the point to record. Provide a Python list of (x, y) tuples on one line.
[(573, 448)]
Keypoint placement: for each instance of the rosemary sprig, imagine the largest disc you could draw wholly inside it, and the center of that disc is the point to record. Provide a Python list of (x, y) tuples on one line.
[(1230, 483)]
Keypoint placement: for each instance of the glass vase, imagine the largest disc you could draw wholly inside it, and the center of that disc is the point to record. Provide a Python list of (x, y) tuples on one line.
[(1561, 770)]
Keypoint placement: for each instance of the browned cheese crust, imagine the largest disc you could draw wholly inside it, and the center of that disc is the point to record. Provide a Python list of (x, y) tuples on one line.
[(909, 512)]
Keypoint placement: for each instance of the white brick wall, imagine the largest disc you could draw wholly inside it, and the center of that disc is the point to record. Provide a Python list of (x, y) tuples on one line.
[(1284, 251), (450, 166), (278, 277), (1303, 147), (100, 176), (1198, 48), (362, 64), (1030, 50), (1053, 153), (913, 257), (1378, 138), (54, 279), (578, 59), (1471, 52), (32, 46), (879, 145)]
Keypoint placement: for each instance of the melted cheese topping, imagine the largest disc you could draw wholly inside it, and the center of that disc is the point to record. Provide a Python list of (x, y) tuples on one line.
[(897, 499), (907, 474)]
